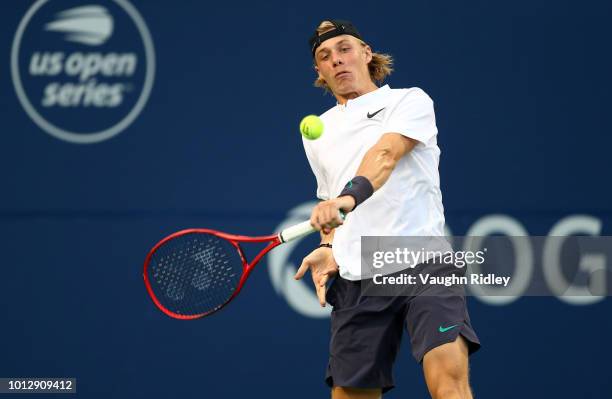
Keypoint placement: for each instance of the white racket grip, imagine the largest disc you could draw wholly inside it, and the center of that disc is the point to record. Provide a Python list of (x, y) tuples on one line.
[(296, 231), (300, 230)]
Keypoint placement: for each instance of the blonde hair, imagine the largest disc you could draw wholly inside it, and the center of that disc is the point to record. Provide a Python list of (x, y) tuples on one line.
[(380, 66)]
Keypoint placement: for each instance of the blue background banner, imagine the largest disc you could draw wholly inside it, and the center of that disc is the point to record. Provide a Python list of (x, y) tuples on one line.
[(521, 92)]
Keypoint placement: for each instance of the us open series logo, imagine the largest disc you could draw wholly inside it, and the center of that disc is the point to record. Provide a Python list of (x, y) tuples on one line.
[(83, 72)]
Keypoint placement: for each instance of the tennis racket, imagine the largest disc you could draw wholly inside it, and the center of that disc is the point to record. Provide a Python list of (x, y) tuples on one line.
[(196, 272)]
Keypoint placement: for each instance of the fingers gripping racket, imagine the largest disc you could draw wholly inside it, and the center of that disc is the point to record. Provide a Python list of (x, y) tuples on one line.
[(193, 273)]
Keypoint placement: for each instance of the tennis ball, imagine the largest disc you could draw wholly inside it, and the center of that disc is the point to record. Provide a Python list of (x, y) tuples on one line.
[(311, 127)]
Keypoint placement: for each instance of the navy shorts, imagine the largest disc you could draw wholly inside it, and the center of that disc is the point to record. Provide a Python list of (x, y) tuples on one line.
[(366, 331)]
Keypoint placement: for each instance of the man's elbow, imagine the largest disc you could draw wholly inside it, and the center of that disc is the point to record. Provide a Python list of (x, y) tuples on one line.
[(398, 144)]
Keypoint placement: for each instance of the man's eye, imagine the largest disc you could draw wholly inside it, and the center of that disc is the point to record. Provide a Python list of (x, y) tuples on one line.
[(345, 49), (323, 57)]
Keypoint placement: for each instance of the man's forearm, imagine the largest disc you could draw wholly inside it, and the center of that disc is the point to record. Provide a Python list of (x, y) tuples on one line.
[(381, 159), (375, 168)]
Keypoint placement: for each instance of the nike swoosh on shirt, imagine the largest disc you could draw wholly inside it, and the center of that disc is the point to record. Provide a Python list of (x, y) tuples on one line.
[(370, 116), (445, 329)]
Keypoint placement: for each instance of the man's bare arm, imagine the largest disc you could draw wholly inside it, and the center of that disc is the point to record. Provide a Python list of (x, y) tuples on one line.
[(376, 166), (380, 160)]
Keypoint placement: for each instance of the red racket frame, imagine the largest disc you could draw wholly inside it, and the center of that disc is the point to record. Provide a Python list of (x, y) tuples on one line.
[(235, 240)]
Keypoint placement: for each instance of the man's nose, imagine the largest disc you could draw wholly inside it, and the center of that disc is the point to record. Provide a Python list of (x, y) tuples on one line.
[(337, 60)]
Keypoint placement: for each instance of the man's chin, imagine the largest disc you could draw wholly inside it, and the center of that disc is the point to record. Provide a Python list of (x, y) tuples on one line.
[(344, 89)]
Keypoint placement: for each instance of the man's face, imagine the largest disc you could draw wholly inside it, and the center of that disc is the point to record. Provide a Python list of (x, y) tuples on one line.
[(342, 62)]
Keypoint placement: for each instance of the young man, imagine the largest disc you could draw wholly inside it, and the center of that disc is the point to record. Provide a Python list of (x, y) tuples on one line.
[(377, 161)]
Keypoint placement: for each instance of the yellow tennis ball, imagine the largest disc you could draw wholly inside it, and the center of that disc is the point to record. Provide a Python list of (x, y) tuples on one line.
[(311, 127)]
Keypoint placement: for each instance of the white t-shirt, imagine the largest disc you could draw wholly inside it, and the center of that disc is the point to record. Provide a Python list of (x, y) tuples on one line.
[(410, 202)]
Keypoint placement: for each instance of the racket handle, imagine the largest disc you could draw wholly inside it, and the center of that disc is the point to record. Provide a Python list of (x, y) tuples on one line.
[(296, 231), (299, 230)]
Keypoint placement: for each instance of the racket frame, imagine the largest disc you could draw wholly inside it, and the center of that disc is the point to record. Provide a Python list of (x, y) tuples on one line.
[(273, 240), (289, 234)]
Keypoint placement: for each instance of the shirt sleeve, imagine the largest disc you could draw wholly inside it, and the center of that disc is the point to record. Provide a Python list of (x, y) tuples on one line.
[(413, 116), (322, 189)]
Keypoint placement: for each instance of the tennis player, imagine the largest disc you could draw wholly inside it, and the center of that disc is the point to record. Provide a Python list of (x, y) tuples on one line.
[(377, 161)]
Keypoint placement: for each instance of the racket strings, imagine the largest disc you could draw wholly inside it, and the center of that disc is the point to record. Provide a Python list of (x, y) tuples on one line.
[(194, 274)]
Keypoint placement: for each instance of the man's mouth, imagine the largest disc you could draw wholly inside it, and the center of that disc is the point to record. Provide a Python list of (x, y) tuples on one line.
[(342, 74)]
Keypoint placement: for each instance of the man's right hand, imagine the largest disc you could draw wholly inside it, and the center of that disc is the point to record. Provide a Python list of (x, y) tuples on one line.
[(322, 267)]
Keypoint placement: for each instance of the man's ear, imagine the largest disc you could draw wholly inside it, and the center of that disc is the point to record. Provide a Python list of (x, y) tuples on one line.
[(316, 68), (368, 53)]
